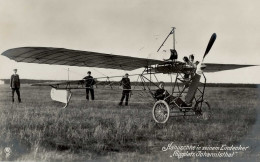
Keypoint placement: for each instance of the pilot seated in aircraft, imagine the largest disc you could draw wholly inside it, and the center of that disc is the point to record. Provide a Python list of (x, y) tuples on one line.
[(89, 82), (173, 57), (161, 93)]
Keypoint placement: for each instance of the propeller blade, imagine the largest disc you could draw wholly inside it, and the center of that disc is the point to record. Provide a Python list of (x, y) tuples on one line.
[(201, 66), (211, 42)]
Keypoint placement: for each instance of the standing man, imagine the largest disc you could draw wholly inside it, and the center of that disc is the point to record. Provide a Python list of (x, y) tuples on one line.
[(15, 85), (126, 85), (89, 82)]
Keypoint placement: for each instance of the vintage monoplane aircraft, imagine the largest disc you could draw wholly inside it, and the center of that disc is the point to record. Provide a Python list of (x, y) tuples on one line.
[(171, 105)]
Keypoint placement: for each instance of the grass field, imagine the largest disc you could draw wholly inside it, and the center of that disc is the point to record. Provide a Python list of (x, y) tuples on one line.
[(38, 129)]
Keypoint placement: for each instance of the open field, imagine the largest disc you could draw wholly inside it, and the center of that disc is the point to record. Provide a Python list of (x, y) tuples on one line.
[(38, 129)]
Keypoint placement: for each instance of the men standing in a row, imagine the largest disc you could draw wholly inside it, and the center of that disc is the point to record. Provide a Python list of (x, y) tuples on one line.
[(125, 83), (89, 82), (15, 85)]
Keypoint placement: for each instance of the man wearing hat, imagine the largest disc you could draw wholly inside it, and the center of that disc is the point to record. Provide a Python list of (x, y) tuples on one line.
[(125, 83), (89, 82), (161, 93), (15, 85)]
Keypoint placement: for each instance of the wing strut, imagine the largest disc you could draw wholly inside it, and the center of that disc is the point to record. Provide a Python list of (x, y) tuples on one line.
[(172, 32)]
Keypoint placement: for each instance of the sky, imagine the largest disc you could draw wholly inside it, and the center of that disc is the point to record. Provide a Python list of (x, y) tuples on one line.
[(132, 28)]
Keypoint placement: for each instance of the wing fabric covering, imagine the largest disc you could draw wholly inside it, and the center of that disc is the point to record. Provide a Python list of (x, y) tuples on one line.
[(62, 56), (210, 67)]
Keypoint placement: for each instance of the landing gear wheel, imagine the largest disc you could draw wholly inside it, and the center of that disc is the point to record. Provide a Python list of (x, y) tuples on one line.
[(161, 111), (204, 110)]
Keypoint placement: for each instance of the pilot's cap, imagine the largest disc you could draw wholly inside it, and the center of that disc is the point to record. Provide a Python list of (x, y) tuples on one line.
[(15, 69), (89, 72), (126, 74)]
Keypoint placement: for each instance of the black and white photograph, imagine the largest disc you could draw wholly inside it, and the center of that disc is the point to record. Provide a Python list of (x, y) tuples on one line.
[(130, 80)]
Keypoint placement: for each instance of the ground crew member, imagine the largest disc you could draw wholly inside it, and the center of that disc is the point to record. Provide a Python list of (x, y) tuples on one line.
[(125, 83), (89, 82), (15, 85)]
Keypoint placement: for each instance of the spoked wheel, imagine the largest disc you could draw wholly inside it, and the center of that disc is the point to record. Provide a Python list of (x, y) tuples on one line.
[(203, 109), (161, 111)]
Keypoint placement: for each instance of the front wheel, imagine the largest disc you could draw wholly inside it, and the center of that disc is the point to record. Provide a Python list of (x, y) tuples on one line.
[(161, 111)]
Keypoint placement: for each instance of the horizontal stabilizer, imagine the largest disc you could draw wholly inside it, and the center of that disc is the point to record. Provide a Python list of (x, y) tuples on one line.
[(55, 83)]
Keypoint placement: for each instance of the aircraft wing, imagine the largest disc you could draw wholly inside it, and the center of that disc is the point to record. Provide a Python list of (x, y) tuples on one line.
[(210, 67), (62, 56)]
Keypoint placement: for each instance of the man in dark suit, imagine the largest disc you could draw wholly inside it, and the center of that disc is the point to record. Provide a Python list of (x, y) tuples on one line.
[(161, 93), (125, 83), (15, 85), (89, 82)]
